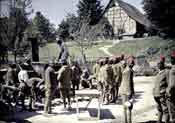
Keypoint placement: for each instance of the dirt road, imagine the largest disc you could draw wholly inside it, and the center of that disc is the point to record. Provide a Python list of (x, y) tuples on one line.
[(143, 111)]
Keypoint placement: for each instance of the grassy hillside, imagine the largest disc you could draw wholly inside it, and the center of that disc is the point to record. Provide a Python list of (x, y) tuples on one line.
[(141, 47), (130, 47)]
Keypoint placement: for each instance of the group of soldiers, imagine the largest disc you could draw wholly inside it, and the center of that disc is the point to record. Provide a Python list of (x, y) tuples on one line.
[(164, 90), (19, 83), (112, 75), (115, 76)]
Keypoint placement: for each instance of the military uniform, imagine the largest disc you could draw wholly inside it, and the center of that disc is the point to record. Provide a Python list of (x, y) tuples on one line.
[(170, 92), (126, 90), (64, 54), (76, 73), (107, 82), (96, 69), (32, 85), (117, 81), (12, 77), (100, 79), (11, 82), (159, 91), (50, 82), (85, 82), (64, 78), (23, 78)]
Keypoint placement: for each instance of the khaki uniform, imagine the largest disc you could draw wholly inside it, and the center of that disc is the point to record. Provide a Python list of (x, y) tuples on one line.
[(126, 90), (64, 78), (107, 82), (127, 84), (100, 79), (122, 65), (117, 80), (170, 92), (50, 82), (159, 91), (96, 70)]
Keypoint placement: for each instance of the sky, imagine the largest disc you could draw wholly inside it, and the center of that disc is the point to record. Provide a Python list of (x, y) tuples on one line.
[(56, 10)]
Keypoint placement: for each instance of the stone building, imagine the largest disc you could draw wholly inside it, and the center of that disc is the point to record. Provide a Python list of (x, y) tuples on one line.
[(125, 18)]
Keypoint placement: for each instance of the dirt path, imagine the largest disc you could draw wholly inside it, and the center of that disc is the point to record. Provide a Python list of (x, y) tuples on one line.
[(105, 50), (143, 111)]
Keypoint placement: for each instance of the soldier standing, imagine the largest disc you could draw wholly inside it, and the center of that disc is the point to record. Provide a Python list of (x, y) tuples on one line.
[(100, 76), (76, 73), (64, 54), (126, 90), (96, 69), (50, 82), (170, 92), (64, 78), (117, 79), (159, 91), (107, 82), (122, 62)]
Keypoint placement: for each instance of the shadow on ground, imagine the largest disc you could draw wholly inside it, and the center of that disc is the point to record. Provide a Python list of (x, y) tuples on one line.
[(149, 122), (104, 113), (137, 96), (16, 121), (25, 115)]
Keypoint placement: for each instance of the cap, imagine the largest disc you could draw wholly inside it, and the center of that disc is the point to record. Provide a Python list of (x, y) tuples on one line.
[(59, 40), (130, 60), (162, 58)]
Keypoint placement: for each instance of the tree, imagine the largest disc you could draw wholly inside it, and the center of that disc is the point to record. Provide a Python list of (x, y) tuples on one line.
[(63, 30), (161, 13), (90, 11), (13, 28), (43, 27)]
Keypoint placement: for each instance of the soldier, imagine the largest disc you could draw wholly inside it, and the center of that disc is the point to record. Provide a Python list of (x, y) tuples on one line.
[(107, 81), (100, 76), (63, 56), (122, 62), (76, 73), (159, 91), (64, 78), (50, 84), (23, 78), (11, 82), (96, 69), (117, 79), (85, 83), (12, 76), (126, 90), (170, 92), (32, 84)]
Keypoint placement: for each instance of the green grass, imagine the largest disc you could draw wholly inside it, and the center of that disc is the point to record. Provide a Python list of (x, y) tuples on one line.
[(51, 50), (131, 47), (139, 46)]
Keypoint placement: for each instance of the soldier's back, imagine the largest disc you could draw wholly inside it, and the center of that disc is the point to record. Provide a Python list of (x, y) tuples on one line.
[(64, 76)]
